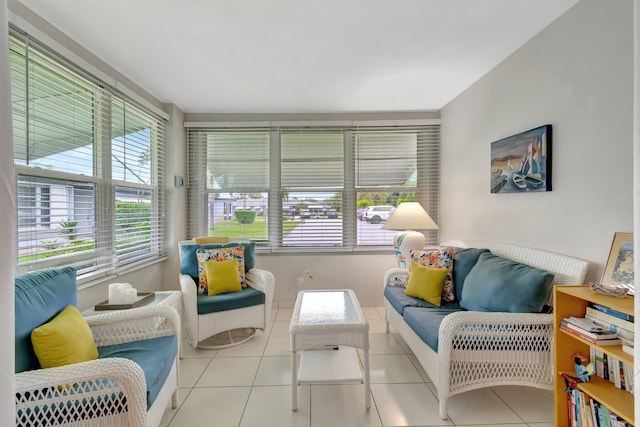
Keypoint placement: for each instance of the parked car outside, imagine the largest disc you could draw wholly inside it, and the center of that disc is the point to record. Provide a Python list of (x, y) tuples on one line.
[(332, 214), (377, 214), (360, 213)]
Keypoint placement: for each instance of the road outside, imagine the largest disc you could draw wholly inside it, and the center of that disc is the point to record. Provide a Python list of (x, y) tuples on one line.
[(324, 231)]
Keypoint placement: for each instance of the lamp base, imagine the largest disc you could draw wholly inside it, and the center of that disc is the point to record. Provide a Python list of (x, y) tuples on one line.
[(404, 242)]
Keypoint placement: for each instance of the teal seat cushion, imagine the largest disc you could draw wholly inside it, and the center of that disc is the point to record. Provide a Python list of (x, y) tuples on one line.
[(248, 297), (155, 356), (39, 297), (189, 261), (426, 323), (400, 301), (498, 284), (463, 261)]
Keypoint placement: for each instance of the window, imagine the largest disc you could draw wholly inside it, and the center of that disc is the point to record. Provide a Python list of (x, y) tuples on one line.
[(89, 163), (310, 186)]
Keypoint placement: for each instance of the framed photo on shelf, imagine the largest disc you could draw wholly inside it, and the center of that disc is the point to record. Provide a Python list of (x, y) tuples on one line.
[(619, 269)]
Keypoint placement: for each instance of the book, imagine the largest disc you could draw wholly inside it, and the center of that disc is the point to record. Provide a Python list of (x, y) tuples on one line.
[(576, 400), (613, 368), (595, 335), (585, 323), (627, 349), (585, 410), (612, 312), (625, 324), (594, 412), (601, 342), (621, 376), (605, 416), (599, 362)]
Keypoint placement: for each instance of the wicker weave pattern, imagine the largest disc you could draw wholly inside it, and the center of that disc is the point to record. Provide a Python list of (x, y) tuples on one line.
[(322, 331), (119, 327), (102, 392), (487, 348), (396, 277), (56, 396), (479, 349)]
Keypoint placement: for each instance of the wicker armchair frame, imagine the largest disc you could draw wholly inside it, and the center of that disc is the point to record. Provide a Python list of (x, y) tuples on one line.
[(102, 392)]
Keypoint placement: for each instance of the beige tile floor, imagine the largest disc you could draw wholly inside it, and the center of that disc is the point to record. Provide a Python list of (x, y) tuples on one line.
[(249, 386)]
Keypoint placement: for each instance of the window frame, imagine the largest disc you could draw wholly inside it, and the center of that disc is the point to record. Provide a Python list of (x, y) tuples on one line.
[(102, 252), (426, 188)]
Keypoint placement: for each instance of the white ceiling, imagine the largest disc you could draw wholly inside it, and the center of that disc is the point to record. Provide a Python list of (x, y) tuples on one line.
[(297, 56)]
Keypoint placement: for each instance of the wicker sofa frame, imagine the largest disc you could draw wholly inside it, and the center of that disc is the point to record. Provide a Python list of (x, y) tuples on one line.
[(526, 360)]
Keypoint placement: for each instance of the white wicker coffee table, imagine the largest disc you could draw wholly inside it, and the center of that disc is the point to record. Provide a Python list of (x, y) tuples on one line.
[(322, 321)]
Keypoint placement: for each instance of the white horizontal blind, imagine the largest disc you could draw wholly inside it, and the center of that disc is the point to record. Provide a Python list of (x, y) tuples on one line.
[(90, 168), (394, 165), (137, 169), (229, 170), (317, 177), (312, 183)]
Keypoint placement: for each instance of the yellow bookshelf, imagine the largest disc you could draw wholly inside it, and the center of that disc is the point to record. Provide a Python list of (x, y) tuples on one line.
[(573, 301)]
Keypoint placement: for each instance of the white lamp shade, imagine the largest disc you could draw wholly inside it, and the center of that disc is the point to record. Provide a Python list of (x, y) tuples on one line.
[(410, 216)]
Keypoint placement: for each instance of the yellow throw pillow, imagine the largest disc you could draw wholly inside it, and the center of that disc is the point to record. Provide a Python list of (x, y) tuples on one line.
[(426, 283), (222, 276), (218, 254), (207, 240), (64, 340)]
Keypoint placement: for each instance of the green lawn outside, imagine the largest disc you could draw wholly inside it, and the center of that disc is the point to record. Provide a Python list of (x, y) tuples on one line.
[(256, 231)]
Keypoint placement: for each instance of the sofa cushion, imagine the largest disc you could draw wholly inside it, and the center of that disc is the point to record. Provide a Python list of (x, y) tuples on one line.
[(155, 356), (400, 301), (438, 258), (426, 283), (426, 323), (248, 297), (501, 285), (463, 261), (64, 340), (39, 297), (189, 262)]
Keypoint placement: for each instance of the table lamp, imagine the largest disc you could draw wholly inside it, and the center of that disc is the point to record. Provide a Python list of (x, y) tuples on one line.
[(408, 216)]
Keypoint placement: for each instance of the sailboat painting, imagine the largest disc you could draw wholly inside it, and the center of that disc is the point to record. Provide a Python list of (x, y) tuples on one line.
[(522, 162)]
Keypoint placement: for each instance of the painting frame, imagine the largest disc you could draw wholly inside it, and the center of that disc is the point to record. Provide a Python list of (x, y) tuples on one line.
[(619, 269), (521, 163)]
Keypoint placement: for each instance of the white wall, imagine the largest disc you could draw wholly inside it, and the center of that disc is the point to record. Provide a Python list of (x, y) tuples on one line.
[(7, 232), (577, 74), (363, 273), (176, 164)]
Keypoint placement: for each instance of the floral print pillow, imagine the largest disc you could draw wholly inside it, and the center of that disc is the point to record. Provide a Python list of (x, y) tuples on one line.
[(438, 258), (218, 254)]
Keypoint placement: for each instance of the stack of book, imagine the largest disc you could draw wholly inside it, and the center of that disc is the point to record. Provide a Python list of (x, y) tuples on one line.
[(613, 320), (589, 330)]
